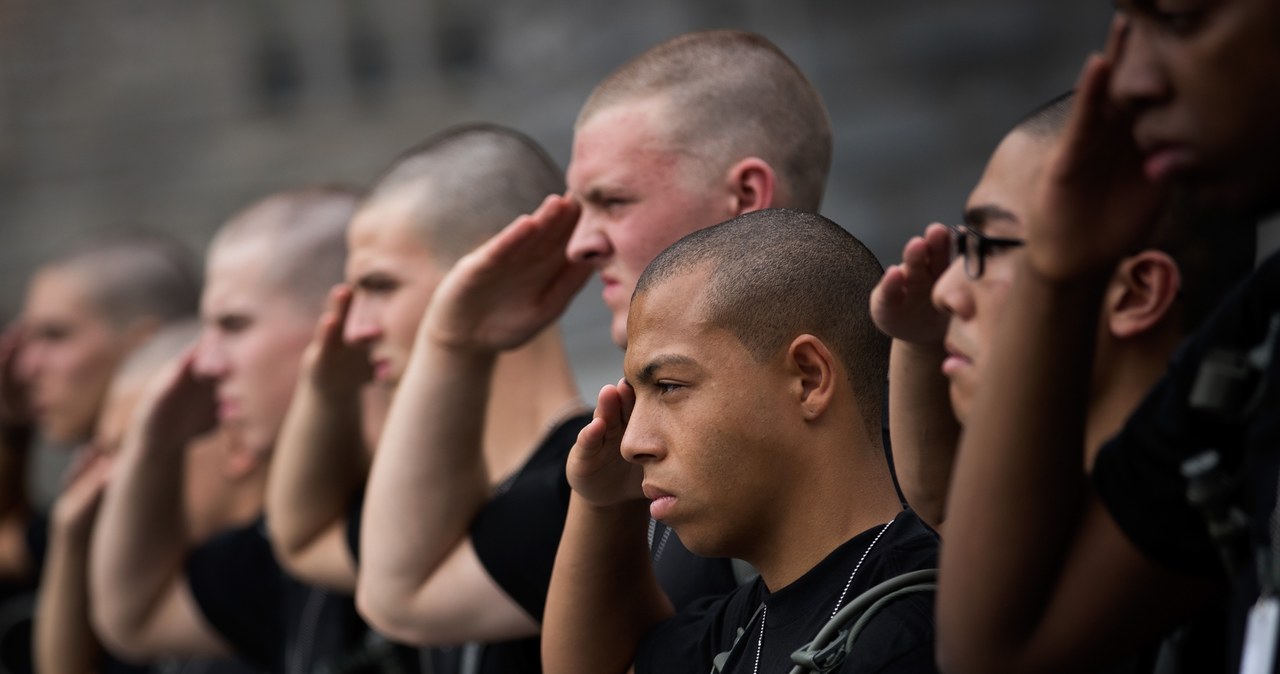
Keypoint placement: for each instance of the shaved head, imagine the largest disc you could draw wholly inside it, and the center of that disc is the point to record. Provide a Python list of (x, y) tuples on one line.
[(305, 231), (463, 185), (780, 273), (731, 95), (135, 276)]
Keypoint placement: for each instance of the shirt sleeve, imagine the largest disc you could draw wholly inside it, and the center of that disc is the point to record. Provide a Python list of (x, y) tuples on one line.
[(690, 640), (517, 532), (237, 584)]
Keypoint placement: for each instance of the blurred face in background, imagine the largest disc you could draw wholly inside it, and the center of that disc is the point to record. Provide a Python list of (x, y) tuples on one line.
[(393, 275), (252, 341), (69, 354)]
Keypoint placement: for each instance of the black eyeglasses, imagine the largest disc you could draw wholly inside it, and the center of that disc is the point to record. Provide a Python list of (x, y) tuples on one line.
[(974, 247)]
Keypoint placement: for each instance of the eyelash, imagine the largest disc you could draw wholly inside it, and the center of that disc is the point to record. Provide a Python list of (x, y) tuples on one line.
[(666, 387)]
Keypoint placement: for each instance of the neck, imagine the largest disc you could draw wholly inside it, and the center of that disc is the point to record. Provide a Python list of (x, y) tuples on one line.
[(1123, 376), (845, 491), (239, 502), (532, 388)]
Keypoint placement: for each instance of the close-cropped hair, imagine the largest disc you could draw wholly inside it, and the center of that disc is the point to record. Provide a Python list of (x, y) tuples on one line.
[(135, 275), (732, 95), (779, 273), (305, 230), (1212, 255), (463, 185)]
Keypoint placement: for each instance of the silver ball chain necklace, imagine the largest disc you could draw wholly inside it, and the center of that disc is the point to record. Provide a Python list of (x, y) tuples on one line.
[(764, 609)]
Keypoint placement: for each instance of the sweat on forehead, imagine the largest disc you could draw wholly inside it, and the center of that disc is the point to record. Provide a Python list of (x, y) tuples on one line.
[(778, 273)]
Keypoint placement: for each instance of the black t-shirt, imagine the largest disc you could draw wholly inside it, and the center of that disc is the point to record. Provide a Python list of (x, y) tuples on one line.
[(1138, 473), (268, 617), (517, 533), (898, 639), (520, 528)]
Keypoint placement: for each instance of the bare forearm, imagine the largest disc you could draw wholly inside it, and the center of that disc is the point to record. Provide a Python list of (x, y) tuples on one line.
[(603, 596), (139, 543), (319, 464), (922, 427), (64, 641), (429, 478), (1017, 490)]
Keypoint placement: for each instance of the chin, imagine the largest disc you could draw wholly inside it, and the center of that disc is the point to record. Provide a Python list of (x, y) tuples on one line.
[(959, 406)]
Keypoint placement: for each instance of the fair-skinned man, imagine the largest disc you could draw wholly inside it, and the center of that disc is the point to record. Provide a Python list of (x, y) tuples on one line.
[(153, 593), (1089, 568), (84, 311), (215, 500), (748, 421), (449, 439)]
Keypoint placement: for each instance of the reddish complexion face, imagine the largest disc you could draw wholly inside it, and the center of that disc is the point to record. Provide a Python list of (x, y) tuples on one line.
[(1200, 77), (70, 354), (706, 427), (639, 194), (253, 338), (394, 276)]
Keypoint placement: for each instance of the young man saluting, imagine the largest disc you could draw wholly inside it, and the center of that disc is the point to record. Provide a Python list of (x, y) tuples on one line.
[(749, 422)]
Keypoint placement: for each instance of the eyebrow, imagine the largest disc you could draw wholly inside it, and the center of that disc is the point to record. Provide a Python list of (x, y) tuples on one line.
[(646, 373), (978, 216)]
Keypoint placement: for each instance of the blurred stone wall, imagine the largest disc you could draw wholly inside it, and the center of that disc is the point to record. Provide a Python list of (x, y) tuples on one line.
[(173, 114)]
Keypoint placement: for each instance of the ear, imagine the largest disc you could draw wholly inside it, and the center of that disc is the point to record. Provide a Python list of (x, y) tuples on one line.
[(751, 186), (815, 372), (1142, 292)]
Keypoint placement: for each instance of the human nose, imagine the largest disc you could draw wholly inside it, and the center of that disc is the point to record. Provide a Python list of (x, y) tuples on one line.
[(210, 359), (29, 361), (952, 293), (641, 444), (588, 244), (1138, 77), (362, 327)]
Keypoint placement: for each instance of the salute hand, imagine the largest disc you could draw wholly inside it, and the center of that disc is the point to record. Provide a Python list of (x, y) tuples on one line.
[(510, 288), (901, 304), (596, 469)]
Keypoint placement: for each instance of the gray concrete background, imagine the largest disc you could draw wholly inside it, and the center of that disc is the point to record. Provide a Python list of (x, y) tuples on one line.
[(173, 114)]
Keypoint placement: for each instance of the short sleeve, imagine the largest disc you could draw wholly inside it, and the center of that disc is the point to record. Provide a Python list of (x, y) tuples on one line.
[(690, 640), (237, 584), (517, 532)]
